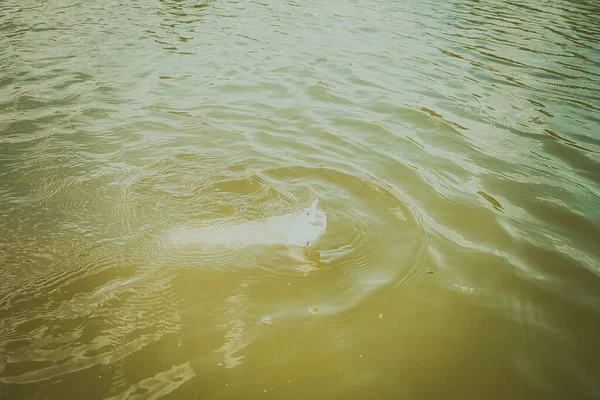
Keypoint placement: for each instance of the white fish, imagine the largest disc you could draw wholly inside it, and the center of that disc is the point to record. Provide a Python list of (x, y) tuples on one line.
[(302, 228)]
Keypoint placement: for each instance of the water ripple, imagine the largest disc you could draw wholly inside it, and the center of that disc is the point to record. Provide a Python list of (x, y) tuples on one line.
[(454, 148)]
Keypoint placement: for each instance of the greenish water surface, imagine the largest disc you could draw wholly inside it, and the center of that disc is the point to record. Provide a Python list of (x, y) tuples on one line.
[(454, 146)]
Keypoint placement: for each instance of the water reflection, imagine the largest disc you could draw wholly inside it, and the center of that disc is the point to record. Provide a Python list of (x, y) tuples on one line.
[(453, 147), (179, 23)]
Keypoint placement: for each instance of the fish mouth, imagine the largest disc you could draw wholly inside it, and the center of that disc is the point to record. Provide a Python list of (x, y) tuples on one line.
[(319, 223), (319, 220)]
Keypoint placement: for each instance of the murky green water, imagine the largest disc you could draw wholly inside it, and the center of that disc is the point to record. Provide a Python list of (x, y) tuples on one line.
[(454, 147)]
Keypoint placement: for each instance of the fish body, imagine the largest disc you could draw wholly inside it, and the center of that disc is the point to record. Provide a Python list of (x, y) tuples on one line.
[(301, 228)]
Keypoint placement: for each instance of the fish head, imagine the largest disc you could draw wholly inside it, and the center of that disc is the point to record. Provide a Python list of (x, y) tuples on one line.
[(308, 226), (317, 216)]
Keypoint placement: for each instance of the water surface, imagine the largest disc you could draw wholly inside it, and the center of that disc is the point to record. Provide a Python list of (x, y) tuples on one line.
[(453, 145)]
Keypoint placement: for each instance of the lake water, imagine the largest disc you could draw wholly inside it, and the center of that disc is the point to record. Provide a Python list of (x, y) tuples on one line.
[(454, 146)]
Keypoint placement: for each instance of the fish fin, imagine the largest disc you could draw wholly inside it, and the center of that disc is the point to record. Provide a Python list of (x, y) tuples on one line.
[(313, 208)]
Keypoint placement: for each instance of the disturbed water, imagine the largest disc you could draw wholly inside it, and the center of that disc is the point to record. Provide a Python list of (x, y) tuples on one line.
[(454, 147)]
